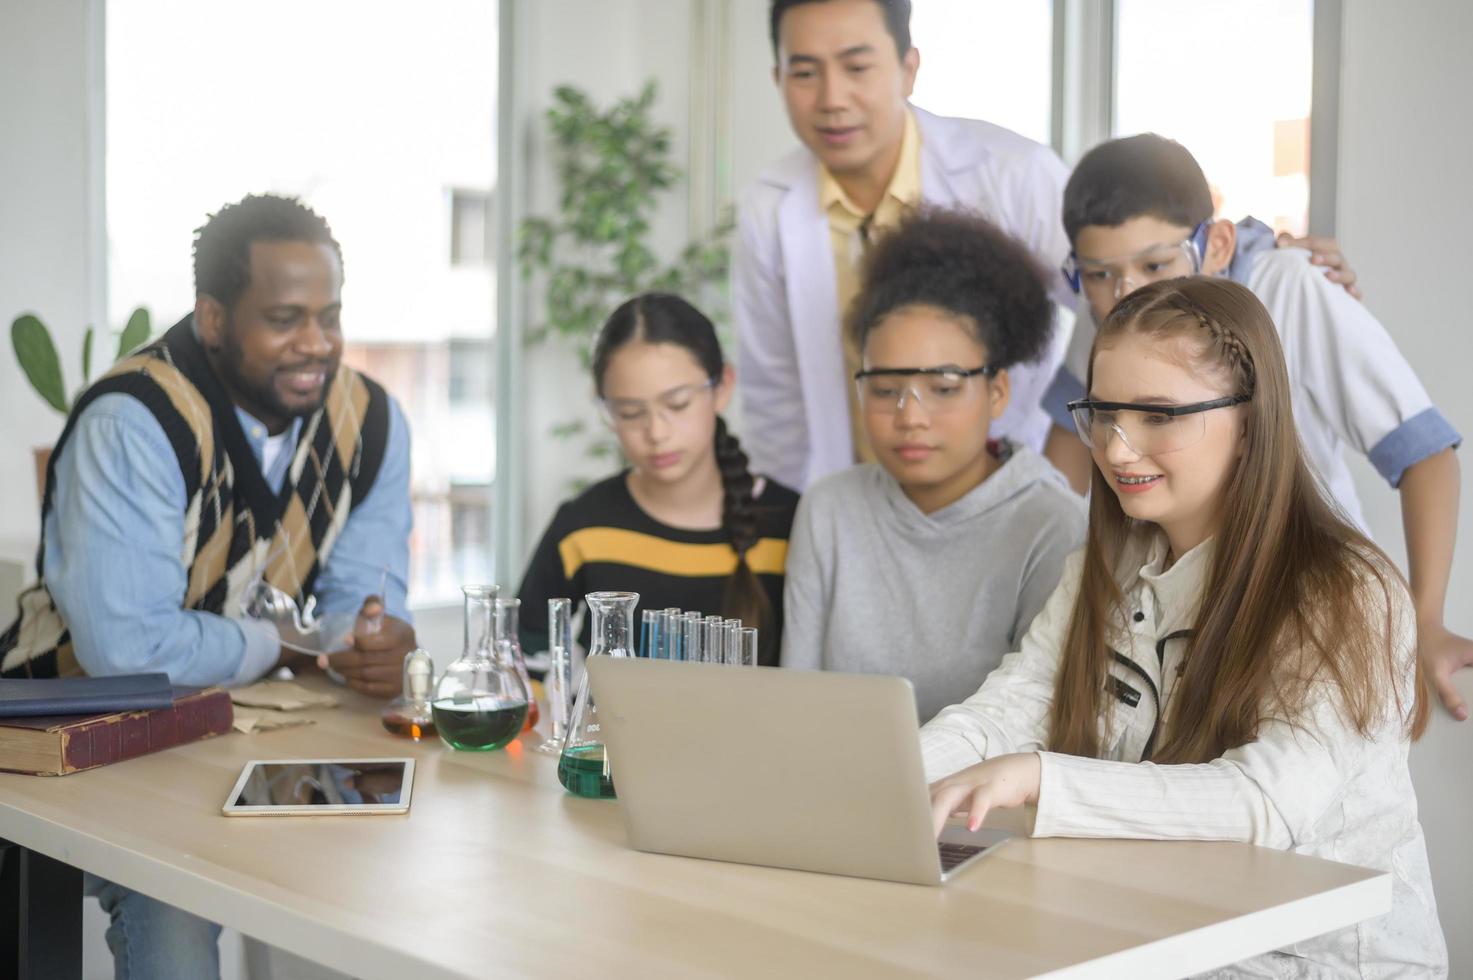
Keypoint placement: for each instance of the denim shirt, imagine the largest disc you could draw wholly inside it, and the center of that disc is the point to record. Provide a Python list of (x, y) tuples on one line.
[(115, 537)]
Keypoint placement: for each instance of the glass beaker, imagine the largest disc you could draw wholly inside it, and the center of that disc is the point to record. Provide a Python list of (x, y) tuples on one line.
[(410, 714), (509, 647), (480, 702), (559, 682), (583, 768)]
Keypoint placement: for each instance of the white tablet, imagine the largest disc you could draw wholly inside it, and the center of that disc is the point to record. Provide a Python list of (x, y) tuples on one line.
[(287, 787)]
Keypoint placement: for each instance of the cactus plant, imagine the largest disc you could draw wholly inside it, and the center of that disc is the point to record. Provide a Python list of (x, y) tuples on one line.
[(36, 354)]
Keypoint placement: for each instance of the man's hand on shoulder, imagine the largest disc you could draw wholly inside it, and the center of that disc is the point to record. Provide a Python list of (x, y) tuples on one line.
[(1324, 251), (374, 664), (1443, 654)]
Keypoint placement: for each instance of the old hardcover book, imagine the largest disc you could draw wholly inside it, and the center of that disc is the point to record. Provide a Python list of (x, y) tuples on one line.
[(61, 744)]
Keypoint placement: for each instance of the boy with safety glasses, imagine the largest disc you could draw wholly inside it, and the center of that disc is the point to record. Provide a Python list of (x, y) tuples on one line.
[(1139, 210), (931, 562)]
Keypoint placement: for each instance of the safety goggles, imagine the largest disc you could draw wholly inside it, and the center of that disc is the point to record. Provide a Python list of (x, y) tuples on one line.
[(937, 390), (1146, 430), (1118, 278), (637, 413)]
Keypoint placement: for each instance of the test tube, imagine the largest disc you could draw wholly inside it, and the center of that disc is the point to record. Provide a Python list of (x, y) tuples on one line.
[(559, 683), (649, 632), (712, 646), (749, 646), (657, 646), (690, 644), (731, 642), (670, 634)]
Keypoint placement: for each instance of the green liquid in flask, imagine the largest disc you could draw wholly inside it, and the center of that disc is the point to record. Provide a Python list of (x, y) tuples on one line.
[(582, 772), (478, 725)]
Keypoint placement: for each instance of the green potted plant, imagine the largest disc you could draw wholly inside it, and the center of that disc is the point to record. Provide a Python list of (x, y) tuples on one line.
[(613, 165), (36, 353)]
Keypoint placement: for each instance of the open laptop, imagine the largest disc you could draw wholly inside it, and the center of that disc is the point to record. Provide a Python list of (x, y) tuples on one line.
[(793, 769)]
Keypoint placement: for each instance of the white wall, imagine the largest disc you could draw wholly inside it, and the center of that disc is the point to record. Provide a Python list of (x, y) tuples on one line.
[(1403, 216), (760, 130), (51, 247), (608, 48)]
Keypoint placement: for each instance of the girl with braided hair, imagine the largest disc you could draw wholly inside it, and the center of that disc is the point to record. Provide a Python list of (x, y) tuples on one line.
[(687, 524), (1228, 658)]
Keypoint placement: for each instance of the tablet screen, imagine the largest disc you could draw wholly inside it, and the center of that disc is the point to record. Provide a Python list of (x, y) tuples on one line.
[(323, 783)]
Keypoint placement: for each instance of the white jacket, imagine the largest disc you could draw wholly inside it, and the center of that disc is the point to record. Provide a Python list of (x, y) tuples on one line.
[(785, 294), (1319, 788)]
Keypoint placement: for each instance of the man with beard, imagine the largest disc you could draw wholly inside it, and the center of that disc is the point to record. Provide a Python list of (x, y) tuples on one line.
[(235, 444)]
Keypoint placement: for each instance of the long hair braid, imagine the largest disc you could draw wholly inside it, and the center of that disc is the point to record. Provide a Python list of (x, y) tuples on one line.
[(662, 318), (744, 597)]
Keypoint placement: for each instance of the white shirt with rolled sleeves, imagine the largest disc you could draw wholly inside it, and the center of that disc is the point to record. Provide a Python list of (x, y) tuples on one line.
[(1318, 788), (1350, 385), (790, 356)]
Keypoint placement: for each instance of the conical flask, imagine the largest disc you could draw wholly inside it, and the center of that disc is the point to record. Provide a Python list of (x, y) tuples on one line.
[(480, 703), (509, 648), (583, 767)]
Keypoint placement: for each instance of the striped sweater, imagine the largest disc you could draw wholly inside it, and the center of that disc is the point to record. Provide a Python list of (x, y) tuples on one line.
[(603, 541)]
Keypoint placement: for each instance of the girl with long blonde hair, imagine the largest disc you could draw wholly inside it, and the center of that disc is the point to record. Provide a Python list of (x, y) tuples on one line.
[(1227, 658)]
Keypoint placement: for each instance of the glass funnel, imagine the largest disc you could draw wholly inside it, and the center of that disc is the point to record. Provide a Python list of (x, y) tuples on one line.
[(509, 648), (583, 768), (480, 702)]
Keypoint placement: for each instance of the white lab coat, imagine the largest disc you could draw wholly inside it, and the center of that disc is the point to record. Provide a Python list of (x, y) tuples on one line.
[(790, 356), (1312, 786)]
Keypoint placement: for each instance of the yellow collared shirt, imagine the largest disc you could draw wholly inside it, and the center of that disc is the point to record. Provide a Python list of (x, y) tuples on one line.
[(850, 231)]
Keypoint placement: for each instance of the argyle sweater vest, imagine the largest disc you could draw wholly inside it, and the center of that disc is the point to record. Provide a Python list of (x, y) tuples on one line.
[(234, 525)]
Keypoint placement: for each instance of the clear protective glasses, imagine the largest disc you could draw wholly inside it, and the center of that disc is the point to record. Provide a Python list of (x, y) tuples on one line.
[(1119, 277), (637, 413), (937, 390), (1146, 430)]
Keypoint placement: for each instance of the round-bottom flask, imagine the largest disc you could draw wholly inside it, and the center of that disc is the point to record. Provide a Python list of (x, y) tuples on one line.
[(480, 703), (410, 713)]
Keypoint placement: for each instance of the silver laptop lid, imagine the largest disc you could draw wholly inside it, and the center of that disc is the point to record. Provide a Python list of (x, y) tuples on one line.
[(793, 769)]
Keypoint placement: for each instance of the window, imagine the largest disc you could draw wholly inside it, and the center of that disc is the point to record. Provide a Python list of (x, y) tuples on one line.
[(986, 59), (369, 119), (1231, 81), (472, 228)]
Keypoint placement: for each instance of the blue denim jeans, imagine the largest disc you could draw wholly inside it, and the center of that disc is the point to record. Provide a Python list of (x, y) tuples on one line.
[(153, 941)]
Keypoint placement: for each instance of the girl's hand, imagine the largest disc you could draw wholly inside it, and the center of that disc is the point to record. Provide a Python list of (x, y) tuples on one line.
[(1007, 781)]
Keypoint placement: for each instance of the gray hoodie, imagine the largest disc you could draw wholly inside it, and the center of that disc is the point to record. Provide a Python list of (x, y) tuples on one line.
[(874, 586)]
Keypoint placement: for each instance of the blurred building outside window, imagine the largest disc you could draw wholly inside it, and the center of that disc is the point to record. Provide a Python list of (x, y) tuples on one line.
[(399, 156), (1231, 81), (986, 59)]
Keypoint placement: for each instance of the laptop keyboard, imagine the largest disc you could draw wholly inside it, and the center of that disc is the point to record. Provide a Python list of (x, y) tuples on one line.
[(954, 854)]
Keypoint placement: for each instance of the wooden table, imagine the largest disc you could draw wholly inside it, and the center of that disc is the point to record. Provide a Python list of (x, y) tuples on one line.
[(496, 871)]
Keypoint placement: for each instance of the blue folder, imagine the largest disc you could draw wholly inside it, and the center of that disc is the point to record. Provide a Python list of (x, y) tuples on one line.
[(84, 695)]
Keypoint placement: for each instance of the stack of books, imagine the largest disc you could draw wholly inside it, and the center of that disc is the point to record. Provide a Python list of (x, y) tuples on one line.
[(63, 725)]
